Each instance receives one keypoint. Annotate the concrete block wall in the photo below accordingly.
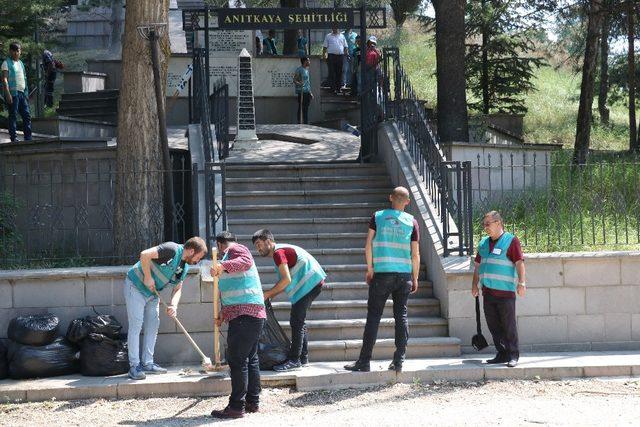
(575, 301)
(75, 292)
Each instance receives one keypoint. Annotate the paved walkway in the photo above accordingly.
(189, 381)
(298, 143)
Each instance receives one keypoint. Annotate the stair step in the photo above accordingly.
(316, 241)
(324, 256)
(318, 210)
(306, 170)
(108, 93)
(307, 183)
(237, 198)
(349, 350)
(76, 111)
(356, 309)
(300, 225)
(335, 273)
(352, 329)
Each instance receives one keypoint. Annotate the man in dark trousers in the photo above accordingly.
(159, 267)
(16, 92)
(243, 307)
(499, 269)
(301, 277)
(334, 49)
(393, 263)
(302, 84)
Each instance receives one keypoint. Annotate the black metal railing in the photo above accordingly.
(448, 183)
(219, 103)
(200, 108)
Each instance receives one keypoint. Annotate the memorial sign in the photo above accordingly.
(284, 18)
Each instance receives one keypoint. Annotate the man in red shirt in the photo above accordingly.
(301, 277)
(499, 269)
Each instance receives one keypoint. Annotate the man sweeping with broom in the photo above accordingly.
(243, 307)
(159, 267)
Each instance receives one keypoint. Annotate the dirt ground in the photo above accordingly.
(597, 402)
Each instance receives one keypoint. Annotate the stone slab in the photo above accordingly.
(6, 294)
(617, 327)
(567, 300)
(586, 328)
(592, 272)
(613, 299)
(59, 293)
(534, 303)
(544, 272)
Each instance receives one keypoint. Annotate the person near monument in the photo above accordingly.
(50, 67)
(301, 277)
(355, 86)
(393, 263)
(162, 266)
(334, 49)
(269, 44)
(258, 43)
(16, 92)
(302, 44)
(302, 84)
(499, 269)
(347, 67)
(243, 308)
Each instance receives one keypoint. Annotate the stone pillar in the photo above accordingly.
(246, 137)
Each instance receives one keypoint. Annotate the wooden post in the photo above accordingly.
(216, 313)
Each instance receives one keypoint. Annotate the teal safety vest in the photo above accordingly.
(162, 273)
(496, 270)
(392, 242)
(243, 287)
(13, 87)
(305, 275)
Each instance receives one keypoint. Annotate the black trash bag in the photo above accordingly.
(103, 324)
(4, 368)
(33, 330)
(57, 358)
(103, 356)
(273, 347)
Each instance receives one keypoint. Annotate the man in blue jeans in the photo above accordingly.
(159, 267)
(301, 277)
(16, 92)
(393, 263)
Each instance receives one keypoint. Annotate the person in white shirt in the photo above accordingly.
(334, 49)
(16, 92)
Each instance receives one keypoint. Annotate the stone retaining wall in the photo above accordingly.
(73, 293)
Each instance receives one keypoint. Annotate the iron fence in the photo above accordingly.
(448, 183)
(61, 212)
(219, 102)
(201, 109)
(553, 205)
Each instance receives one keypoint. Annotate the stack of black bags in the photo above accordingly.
(103, 348)
(35, 350)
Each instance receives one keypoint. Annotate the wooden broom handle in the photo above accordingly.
(216, 329)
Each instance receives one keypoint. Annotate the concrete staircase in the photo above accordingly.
(325, 208)
(99, 106)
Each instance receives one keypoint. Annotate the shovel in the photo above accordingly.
(478, 341)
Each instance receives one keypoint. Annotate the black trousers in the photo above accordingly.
(304, 99)
(383, 285)
(335, 71)
(501, 320)
(297, 319)
(242, 354)
(48, 88)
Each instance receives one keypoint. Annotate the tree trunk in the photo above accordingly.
(450, 71)
(603, 91)
(633, 140)
(138, 216)
(290, 36)
(485, 62)
(583, 125)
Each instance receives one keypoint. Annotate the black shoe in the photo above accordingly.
(500, 358)
(358, 367)
(395, 366)
(512, 363)
(304, 361)
(227, 412)
(288, 365)
(251, 407)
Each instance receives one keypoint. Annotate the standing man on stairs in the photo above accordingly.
(499, 268)
(301, 277)
(393, 263)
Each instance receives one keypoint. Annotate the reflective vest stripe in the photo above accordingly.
(392, 260)
(499, 277)
(405, 246)
(506, 262)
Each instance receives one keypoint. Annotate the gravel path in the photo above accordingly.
(597, 402)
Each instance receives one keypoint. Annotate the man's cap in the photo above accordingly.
(373, 40)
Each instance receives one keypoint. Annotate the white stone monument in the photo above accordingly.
(246, 137)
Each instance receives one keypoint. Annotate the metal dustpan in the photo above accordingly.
(478, 341)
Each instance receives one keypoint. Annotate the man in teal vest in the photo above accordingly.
(16, 92)
(243, 307)
(301, 277)
(393, 263)
(499, 269)
(159, 267)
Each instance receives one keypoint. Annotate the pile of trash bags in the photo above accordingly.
(103, 348)
(35, 350)
(93, 346)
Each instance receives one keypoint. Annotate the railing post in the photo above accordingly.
(469, 207)
(444, 211)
